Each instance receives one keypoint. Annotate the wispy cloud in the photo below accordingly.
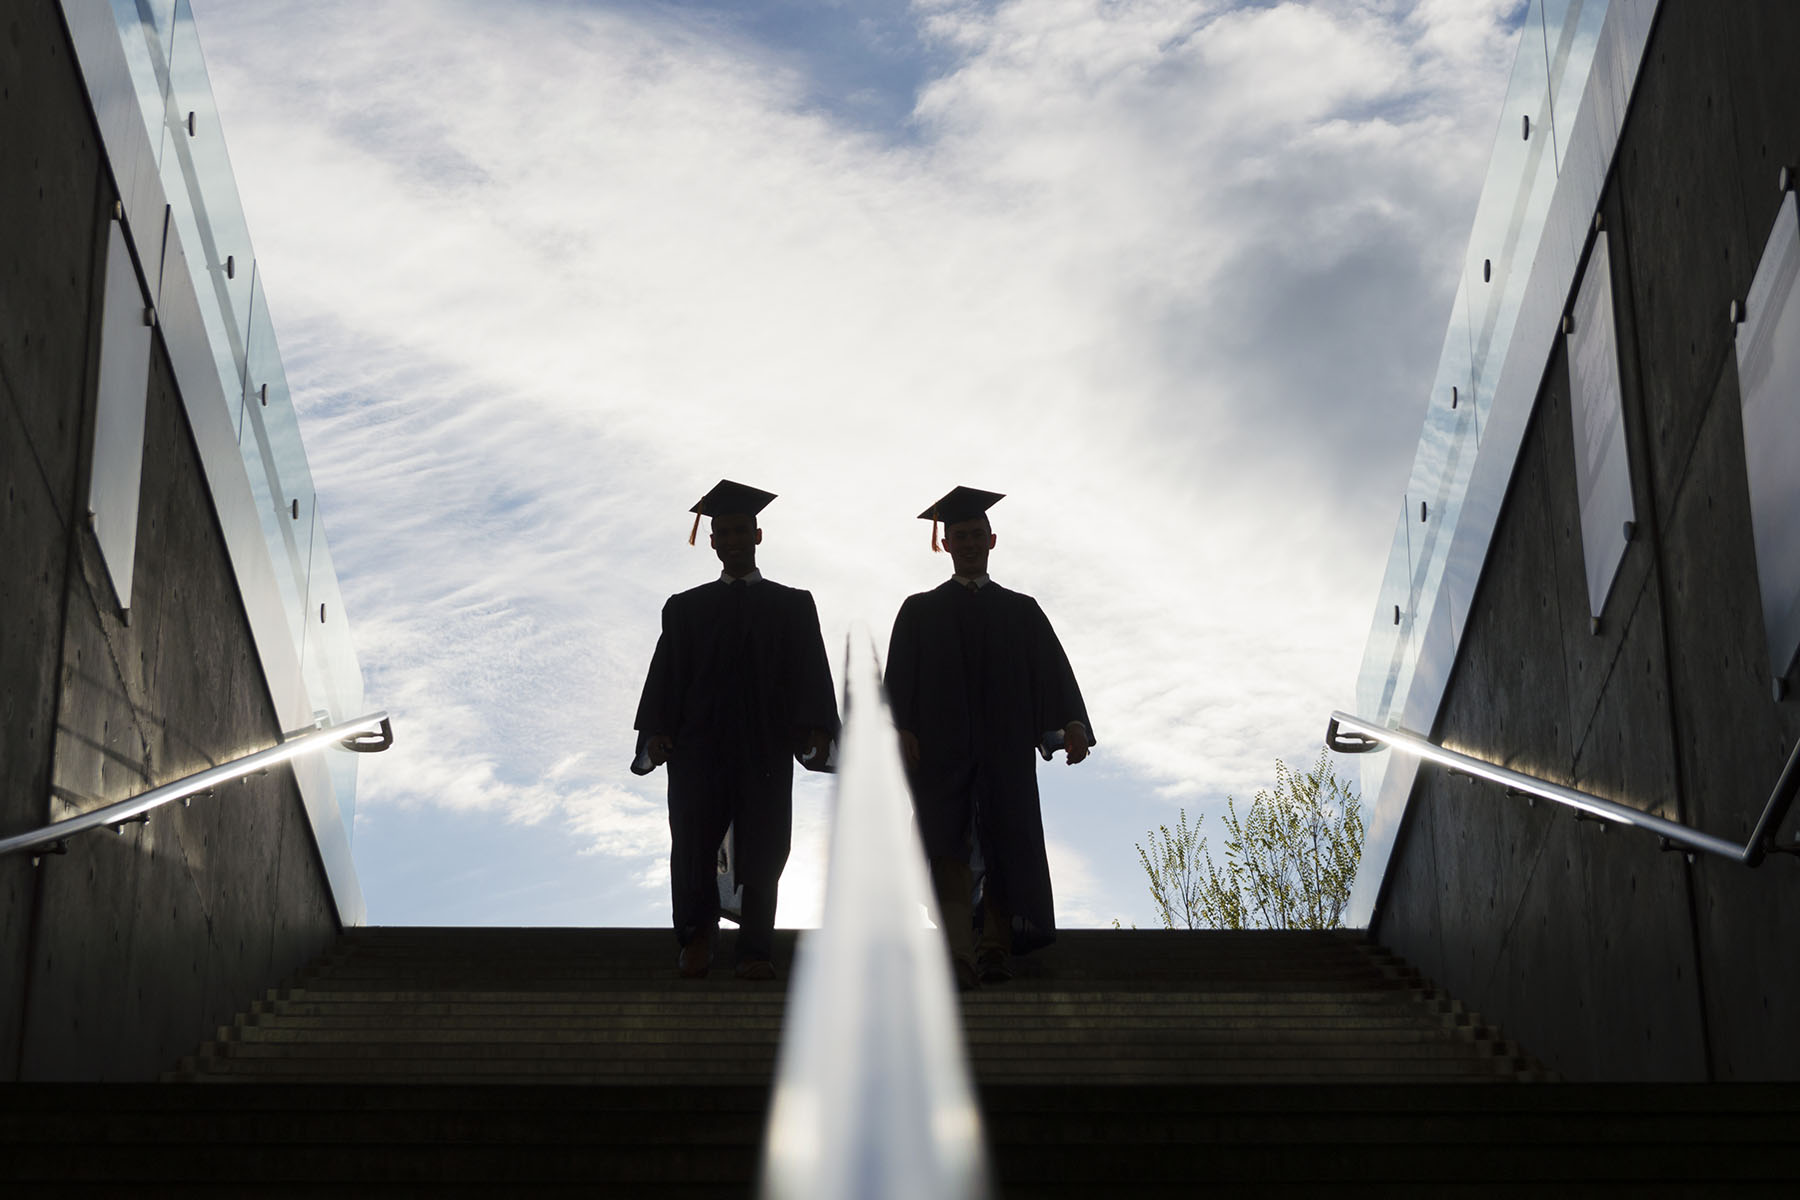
(1172, 275)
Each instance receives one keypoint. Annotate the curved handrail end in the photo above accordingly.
(1349, 743)
(371, 741)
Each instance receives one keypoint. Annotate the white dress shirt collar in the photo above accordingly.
(755, 576)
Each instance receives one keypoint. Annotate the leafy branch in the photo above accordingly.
(1289, 859)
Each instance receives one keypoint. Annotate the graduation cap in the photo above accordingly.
(726, 498)
(959, 504)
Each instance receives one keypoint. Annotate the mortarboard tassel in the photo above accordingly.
(934, 537)
(695, 531)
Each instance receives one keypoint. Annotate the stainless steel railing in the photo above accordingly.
(873, 1097)
(1364, 736)
(365, 734)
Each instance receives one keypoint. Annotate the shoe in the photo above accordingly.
(993, 966)
(967, 980)
(696, 956)
(756, 970)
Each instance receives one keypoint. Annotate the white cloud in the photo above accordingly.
(1079, 897)
(1171, 275)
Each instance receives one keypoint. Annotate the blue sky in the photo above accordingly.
(1171, 275)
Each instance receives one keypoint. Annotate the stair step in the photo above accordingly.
(471, 1062)
(975, 1024)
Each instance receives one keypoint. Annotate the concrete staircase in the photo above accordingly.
(602, 1006)
(494, 1061)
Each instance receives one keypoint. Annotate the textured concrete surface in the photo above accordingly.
(1731, 740)
(49, 208)
(1680, 184)
(1604, 955)
(33, 549)
(1767, 107)
(121, 954)
(49, 197)
(146, 939)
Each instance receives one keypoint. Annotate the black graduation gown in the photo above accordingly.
(979, 677)
(738, 678)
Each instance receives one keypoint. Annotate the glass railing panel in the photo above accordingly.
(196, 174)
(328, 660)
(174, 91)
(1435, 561)
(280, 479)
(1388, 656)
(145, 29)
(157, 17)
(1454, 385)
(264, 378)
(1571, 32)
(1435, 494)
(1509, 218)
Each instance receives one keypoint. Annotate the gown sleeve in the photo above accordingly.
(1057, 697)
(659, 708)
(902, 675)
(814, 701)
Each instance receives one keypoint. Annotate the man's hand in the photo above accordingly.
(659, 747)
(909, 747)
(1075, 741)
(816, 750)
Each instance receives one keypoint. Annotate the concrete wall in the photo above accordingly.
(1607, 957)
(125, 953)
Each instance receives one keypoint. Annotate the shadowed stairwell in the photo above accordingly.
(482, 1061)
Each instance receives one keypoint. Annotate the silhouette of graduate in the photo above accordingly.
(739, 687)
(979, 684)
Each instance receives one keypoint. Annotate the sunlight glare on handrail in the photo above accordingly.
(1593, 807)
(308, 742)
(873, 1098)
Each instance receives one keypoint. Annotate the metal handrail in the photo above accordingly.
(873, 1097)
(367, 735)
(1365, 736)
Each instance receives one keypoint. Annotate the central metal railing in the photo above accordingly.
(873, 1097)
(365, 734)
(1353, 735)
